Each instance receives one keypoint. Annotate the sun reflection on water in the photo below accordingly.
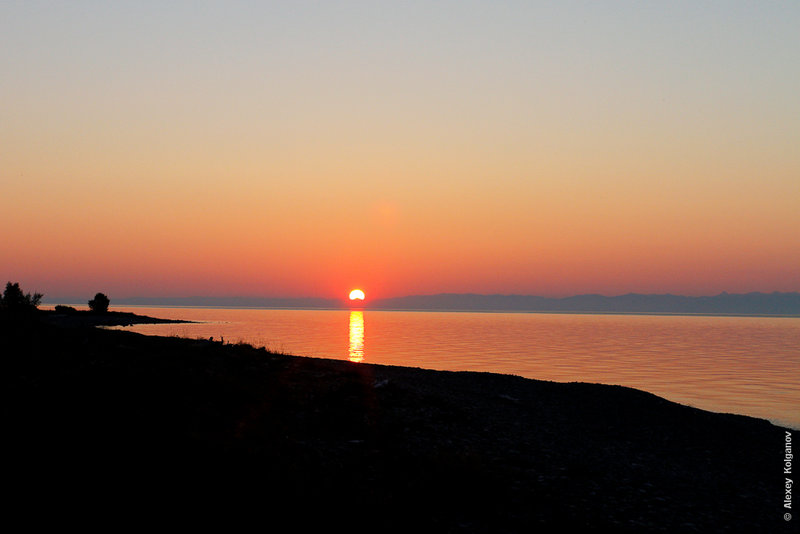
(356, 352)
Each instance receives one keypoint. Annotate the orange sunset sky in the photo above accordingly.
(306, 148)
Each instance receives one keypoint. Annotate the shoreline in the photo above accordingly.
(409, 310)
(720, 380)
(457, 310)
(466, 451)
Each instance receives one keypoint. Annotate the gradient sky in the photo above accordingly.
(306, 148)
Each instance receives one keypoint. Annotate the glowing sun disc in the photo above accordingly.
(356, 294)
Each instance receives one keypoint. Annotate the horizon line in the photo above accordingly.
(75, 299)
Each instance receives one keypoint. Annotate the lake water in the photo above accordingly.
(745, 365)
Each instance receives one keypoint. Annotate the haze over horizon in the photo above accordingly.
(749, 304)
(304, 149)
(58, 298)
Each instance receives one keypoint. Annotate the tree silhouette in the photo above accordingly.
(14, 299)
(99, 304)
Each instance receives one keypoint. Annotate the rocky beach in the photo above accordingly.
(147, 423)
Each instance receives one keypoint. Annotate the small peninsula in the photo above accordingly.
(87, 318)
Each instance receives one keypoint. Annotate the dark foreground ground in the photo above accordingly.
(113, 424)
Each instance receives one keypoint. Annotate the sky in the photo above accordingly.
(301, 149)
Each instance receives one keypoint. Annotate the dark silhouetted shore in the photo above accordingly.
(84, 318)
(99, 418)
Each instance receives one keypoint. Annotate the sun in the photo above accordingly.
(357, 294)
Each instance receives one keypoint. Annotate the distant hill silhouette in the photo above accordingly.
(786, 304)
(724, 303)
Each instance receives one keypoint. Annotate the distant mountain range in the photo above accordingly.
(727, 304)
(722, 304)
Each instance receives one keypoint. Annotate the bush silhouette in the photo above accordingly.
(99, 304)
(14, 299)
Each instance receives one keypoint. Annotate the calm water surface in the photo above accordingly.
(746, 365)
